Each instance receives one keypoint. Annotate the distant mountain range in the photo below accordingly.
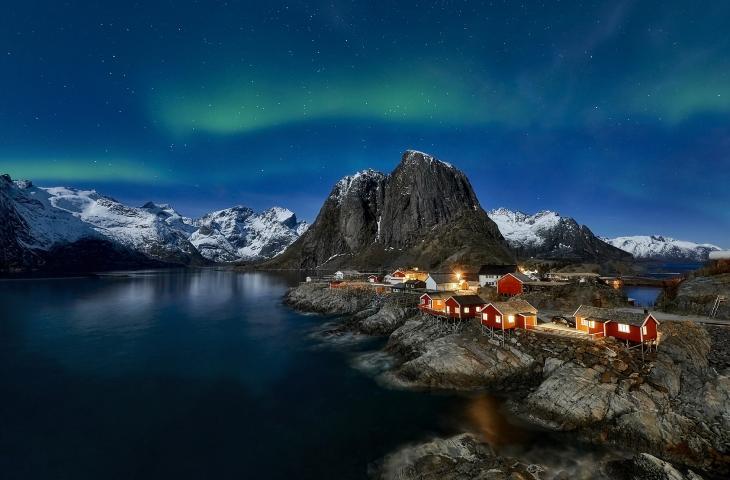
(423, 213)
(656, 247)
(63, 228)
(547, 235)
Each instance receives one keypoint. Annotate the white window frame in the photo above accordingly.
(624, 328)
(485, 316)
(498, 318)
(457, 310)
(644, 330)
(511, 319)
(466, 309)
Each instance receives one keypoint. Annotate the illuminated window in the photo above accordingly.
(644, 330)
(511, 319)
(584, 323)
(485, 316)
(448, 309)
(457, 310)
(623, 328)
(498, 318)
(588, 323)
(466, 309)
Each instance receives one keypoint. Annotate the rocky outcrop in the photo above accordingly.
(647, 467)
(697, 295)
(319, 298)
(423, 213)
(460, 457)
(435, 358)
(364, 311)
(677, 410)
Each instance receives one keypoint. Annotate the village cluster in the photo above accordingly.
(454, 297)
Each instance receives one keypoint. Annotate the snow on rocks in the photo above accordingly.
(659, 247)
(61, 215)
(521, 229)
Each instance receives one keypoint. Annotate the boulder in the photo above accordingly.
(462, 457)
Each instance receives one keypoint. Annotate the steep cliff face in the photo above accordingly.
(423, 213)
(14, 233)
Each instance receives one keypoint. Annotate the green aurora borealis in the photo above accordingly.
(616, 113)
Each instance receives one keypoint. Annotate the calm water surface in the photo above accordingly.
(643, 295)
(205, 374)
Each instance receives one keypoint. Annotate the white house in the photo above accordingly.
(343, 274)
(442, 282)
(489, 274)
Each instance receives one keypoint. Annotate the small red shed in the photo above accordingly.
(433, 302)
(464, 306)
(515, 313)
(512, 284)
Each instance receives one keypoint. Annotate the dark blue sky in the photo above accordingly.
(616, 113)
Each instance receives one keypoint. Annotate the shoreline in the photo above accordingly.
(565, 386)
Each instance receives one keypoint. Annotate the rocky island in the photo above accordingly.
(670, 407)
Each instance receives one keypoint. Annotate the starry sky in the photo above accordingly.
(616, 113)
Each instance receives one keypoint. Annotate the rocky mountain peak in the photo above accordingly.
(410, 215)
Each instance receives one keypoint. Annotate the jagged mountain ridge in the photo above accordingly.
(239, 233)
(657, 247)
(424, 213)
(548, 235)
(38, 223)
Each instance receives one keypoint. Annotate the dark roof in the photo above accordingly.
(521, 277)
(515, 306)
(468, 299)
(437, 295)
(611, 315)
(497, 269)
(443, 277)
(409, 285)
(540, 283)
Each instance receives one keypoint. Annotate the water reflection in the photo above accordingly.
(488, 419)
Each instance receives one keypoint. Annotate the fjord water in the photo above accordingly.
(201, 374)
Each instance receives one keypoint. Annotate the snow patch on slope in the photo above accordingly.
(352, 184)
(523, 230)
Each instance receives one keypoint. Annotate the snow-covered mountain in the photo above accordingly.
(548, 235)
(657, 247)
(239, 233)
(39, 220)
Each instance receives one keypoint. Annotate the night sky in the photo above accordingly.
(616, 113)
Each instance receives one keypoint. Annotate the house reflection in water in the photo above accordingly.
(486, 417)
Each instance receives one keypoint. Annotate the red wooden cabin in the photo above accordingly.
(512, 284)
(509, 315)
(631, 327)
(464, 306)
(433, 303)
